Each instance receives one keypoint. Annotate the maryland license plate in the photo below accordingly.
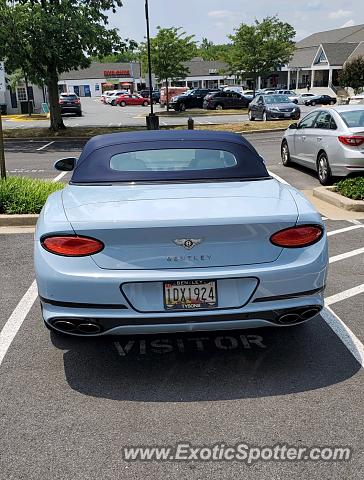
(190, 294)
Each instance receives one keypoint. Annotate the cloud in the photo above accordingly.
(349, 23)
(220, 14)
(340, 14)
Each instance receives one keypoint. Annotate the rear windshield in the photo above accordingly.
(166, 161)
(172, 159)
(69, 97)
(277, 99)
(353, 118)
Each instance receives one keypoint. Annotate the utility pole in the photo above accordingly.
(2, 153)
(152, 118)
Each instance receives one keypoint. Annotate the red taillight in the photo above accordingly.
(77, 101)
(72, 245)
(61, 101)
(300, 236)
(351, 140)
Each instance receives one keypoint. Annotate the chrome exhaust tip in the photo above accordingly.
(88, 328)
(65, 325)
(307, 314)
(289, 318)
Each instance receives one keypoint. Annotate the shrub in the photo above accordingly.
(25, 195)
(351, 187)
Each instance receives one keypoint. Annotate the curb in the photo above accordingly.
(50, 139)
(26, 220)
(328, 195)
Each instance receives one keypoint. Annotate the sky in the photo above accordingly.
(215, 19)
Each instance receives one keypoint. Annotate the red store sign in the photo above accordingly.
(116, 73)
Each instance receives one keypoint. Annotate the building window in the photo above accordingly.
(22, 94)
(321, 58)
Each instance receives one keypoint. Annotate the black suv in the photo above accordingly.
(156, 95)
(191, 99)
(228, 99)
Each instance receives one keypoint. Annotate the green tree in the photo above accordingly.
(129, 52)
(352, 75)
(48, 37)
(211, 51)
(170, 48)
(259, 49)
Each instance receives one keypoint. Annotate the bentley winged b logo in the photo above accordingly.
(187, 243)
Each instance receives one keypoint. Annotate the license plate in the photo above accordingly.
(190, 294)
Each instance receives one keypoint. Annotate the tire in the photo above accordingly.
(219, 106)
(145, 104)
(332, 102)
(323, 169)
(251, 116)
(182, 107)
(113, 103)
(122, 104)
(285, 155)
(313, 104)
(79, 114)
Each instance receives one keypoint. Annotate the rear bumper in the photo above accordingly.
(71, 109)
(77, 289)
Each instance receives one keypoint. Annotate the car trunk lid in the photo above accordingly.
(182, 225)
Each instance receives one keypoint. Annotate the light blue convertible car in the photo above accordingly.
(176, 231)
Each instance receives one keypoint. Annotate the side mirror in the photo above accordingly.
(293, 126)
(65, 164)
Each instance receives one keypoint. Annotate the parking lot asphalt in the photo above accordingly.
(69, 406)
(95, 113)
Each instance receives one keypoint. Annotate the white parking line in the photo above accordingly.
(343, 256)
(356, 222)
(16, 319)
(342, 230)
(338, 297)
(351, 342)
(58, 177)
(44, 146)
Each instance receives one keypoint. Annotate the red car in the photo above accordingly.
(123, 100)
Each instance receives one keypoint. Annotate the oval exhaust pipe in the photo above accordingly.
(311, 312)
(88, 328)
(65, 325)
(289, 318)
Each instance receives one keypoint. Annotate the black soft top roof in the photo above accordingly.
(93, 165)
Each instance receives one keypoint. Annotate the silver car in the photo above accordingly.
(328, 140)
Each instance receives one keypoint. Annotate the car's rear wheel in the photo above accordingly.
(332, 102)
(251, 116)
(285, 155)
(182, 107)
(218, 106)
(79, 114)
(113, 103)
(122, 104)
(313, 103)
(323, 169)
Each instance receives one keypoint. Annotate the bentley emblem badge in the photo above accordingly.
(187, 243)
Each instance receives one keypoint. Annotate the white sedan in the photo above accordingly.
(328, 140)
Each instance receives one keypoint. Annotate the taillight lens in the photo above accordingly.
(351, 140)
(61, 101)
(72, 245)
(300, 236)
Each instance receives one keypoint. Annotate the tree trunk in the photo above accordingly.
(54, 108)
(167, 95)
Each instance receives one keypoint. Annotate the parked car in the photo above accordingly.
(193, 99)
(70, 103)
(290, 94)
(222, 100)
(172, 92)
(330, 141)
(155, 95)
(357, 99)
(303, 97)
(111, 99)
(129, 99)
(224, 251)
(106, 94)
(320, 100)
(270, 107)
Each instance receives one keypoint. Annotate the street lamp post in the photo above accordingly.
(152, 118)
